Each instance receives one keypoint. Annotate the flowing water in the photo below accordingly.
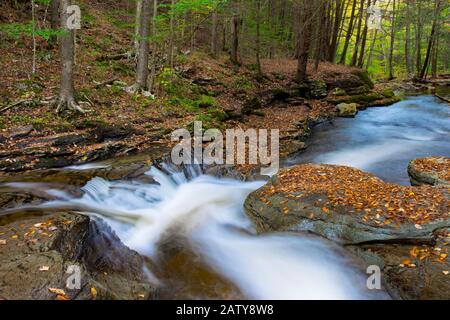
(201, 244)
(384, 140)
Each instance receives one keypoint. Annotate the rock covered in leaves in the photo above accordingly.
(36, 252)
(430, 171)
(347, 205)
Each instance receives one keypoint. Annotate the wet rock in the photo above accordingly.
(433, 171)
(111, 132)
(70, 140)
(347, 110)
(410, 272)
(317, 89)
(38, 251)
(348, 206)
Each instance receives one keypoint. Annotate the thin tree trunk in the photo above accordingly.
(54, 20)
(335, 34)
(431, 40)
(143, 52)
(235, 26)
(391, 48)
(137, 25)
(33, 13)
(408, 40)
(172, 33)
(349, 34)
(364, 39)
(152, 77)
(358, 35)
(419, 37)
(214, 34)
(258, 37)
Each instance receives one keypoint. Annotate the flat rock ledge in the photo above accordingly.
(403, 230)
(433, 171)
(39, 255)
(348, 206)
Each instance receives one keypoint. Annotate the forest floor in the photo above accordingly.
(199, 88)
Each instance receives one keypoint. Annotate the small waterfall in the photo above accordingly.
(207, 211)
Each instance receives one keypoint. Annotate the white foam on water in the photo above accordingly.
(208, 211)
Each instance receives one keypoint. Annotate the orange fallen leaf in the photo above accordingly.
(62, 297)
(94, 292)
(57, 291)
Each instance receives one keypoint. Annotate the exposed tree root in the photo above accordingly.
(69, 105)
(137, 89)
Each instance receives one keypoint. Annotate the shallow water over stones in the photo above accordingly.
(383, 140)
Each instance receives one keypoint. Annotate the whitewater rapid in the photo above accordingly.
(208, 212)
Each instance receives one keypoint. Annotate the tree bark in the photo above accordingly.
(235, 26)
(66, 100)
(143, 52)
(391, 48)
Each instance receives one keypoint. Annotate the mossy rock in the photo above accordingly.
(388, 93)
(364, 76)
(365, 99)
(339, 92)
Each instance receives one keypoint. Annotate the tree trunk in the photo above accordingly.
(214, 34)
(54, 20)
(358, 35)
(349, 34)
(419, 37)
(258, 37)
(143, 52)
(407, 40)
(364, 39)
(431, 40)
(337, 23)
(304, 40)
(172, 33)
(235, 26)
(137, 25)
(66, 100)
(391, 48)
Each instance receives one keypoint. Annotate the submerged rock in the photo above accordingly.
(41, 255)
(430, 171)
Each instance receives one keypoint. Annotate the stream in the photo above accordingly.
(201, 244)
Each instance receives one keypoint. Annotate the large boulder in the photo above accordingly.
(348, 206)
(430, 171)
(39, 254)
